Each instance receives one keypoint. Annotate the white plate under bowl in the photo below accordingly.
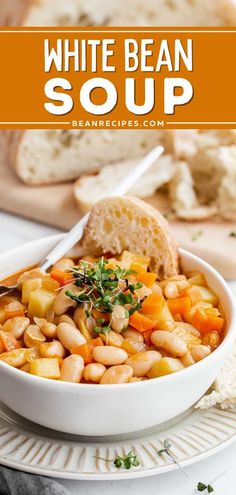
(194, 436)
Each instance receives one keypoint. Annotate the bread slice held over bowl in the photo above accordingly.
(126, 223)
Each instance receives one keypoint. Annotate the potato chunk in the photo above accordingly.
(45, 367)
(28, 286)
(40, 302)
(128, 259)
(165, 366)
(208, 295)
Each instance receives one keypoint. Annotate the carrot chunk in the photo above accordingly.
(84, 351)
(147, 337)
(96, 342)
(138, 268)
(180, 305)
(146, 278)
(153, 304)
(205, 321)
(97, 314)
(141, 322)
(62, 277)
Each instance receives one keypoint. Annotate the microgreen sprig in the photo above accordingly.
(130, 460)
(196, 235)
(202, 487)
(102, 288)
(166, 450)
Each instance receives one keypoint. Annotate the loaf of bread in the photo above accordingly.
(43, 156)
(126, 223)
(47, 156)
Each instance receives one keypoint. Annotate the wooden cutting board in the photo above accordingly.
(55, 205)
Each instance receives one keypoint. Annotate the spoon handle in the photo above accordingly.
(75, 234)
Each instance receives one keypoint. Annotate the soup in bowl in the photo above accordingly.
(101, 347)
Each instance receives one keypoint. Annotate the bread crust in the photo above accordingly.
(166, 257)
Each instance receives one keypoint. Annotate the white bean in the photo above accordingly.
(113, 338)
(52, 349)
(67, 319)
(142, 362)
(16, 326)
(64, 264)
(72, 369)
(69, 336)
(156, 289)
(48, 328)
(133, 334)
(187, 359)
(171, 290)
(199, 352)
(119, 318)
(93, 372)
(117, 374)
(33, 336)
(79, 314)
(63, 302)
(109, 355)
(15, 358)
(170, 343)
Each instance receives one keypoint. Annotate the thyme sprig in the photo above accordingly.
(102, 288)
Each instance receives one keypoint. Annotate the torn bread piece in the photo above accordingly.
(223, 391)
(91, 188)
(215, 138)
(183, 196)
(125, 223)
(226, 200)
(115, 13)
(208, 167)
(181, 143)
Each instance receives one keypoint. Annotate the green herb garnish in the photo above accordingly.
(130, 460)
(166, 450)
(102, 288)
(232, 234)
(196, 235)
(202, 487)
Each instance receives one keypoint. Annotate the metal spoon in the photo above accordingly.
(75, 234)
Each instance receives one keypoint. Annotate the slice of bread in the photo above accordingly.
(91, 188)
(126, 223)
(49, 156)
(116, 13)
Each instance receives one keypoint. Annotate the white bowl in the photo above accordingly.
(112, 409)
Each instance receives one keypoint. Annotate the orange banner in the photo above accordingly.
(117, 78)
